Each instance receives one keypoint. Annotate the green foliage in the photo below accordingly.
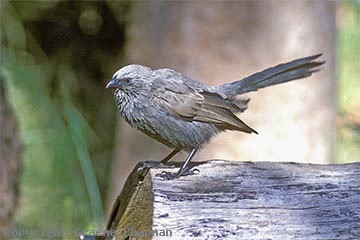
(348, 142)
(349, 55)
(52, 184)
(52, 61)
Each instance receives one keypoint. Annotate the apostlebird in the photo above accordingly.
(185, 114)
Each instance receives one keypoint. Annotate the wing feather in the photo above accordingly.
(202, 106)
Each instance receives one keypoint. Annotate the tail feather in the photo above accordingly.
(281, 73)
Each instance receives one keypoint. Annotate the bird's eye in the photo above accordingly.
(126, 80)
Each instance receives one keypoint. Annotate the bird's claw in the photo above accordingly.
(166, 175)
(170, 176)
(192, 171)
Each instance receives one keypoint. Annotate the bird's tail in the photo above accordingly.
(281, 73)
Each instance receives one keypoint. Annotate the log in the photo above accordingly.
(240, 200)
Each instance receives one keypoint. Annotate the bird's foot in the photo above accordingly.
(170, 176)
(144, 167)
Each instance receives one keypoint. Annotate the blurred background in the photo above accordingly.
(65, 152)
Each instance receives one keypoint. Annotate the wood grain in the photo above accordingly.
(245, 200)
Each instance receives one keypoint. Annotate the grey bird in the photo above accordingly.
(185, 114)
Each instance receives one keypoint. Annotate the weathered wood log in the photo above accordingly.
(241, 200)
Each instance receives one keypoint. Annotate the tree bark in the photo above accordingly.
(217, 42)
(241, 200)
(10, 155)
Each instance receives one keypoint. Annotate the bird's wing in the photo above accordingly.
(202, 106)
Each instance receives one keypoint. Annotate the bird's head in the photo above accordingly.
(131, 78)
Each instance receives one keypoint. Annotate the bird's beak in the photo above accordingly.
(112, 84)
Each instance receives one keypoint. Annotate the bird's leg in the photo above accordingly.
(183, 169)
(168, 157)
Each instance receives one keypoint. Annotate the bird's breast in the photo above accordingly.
(125, 104)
